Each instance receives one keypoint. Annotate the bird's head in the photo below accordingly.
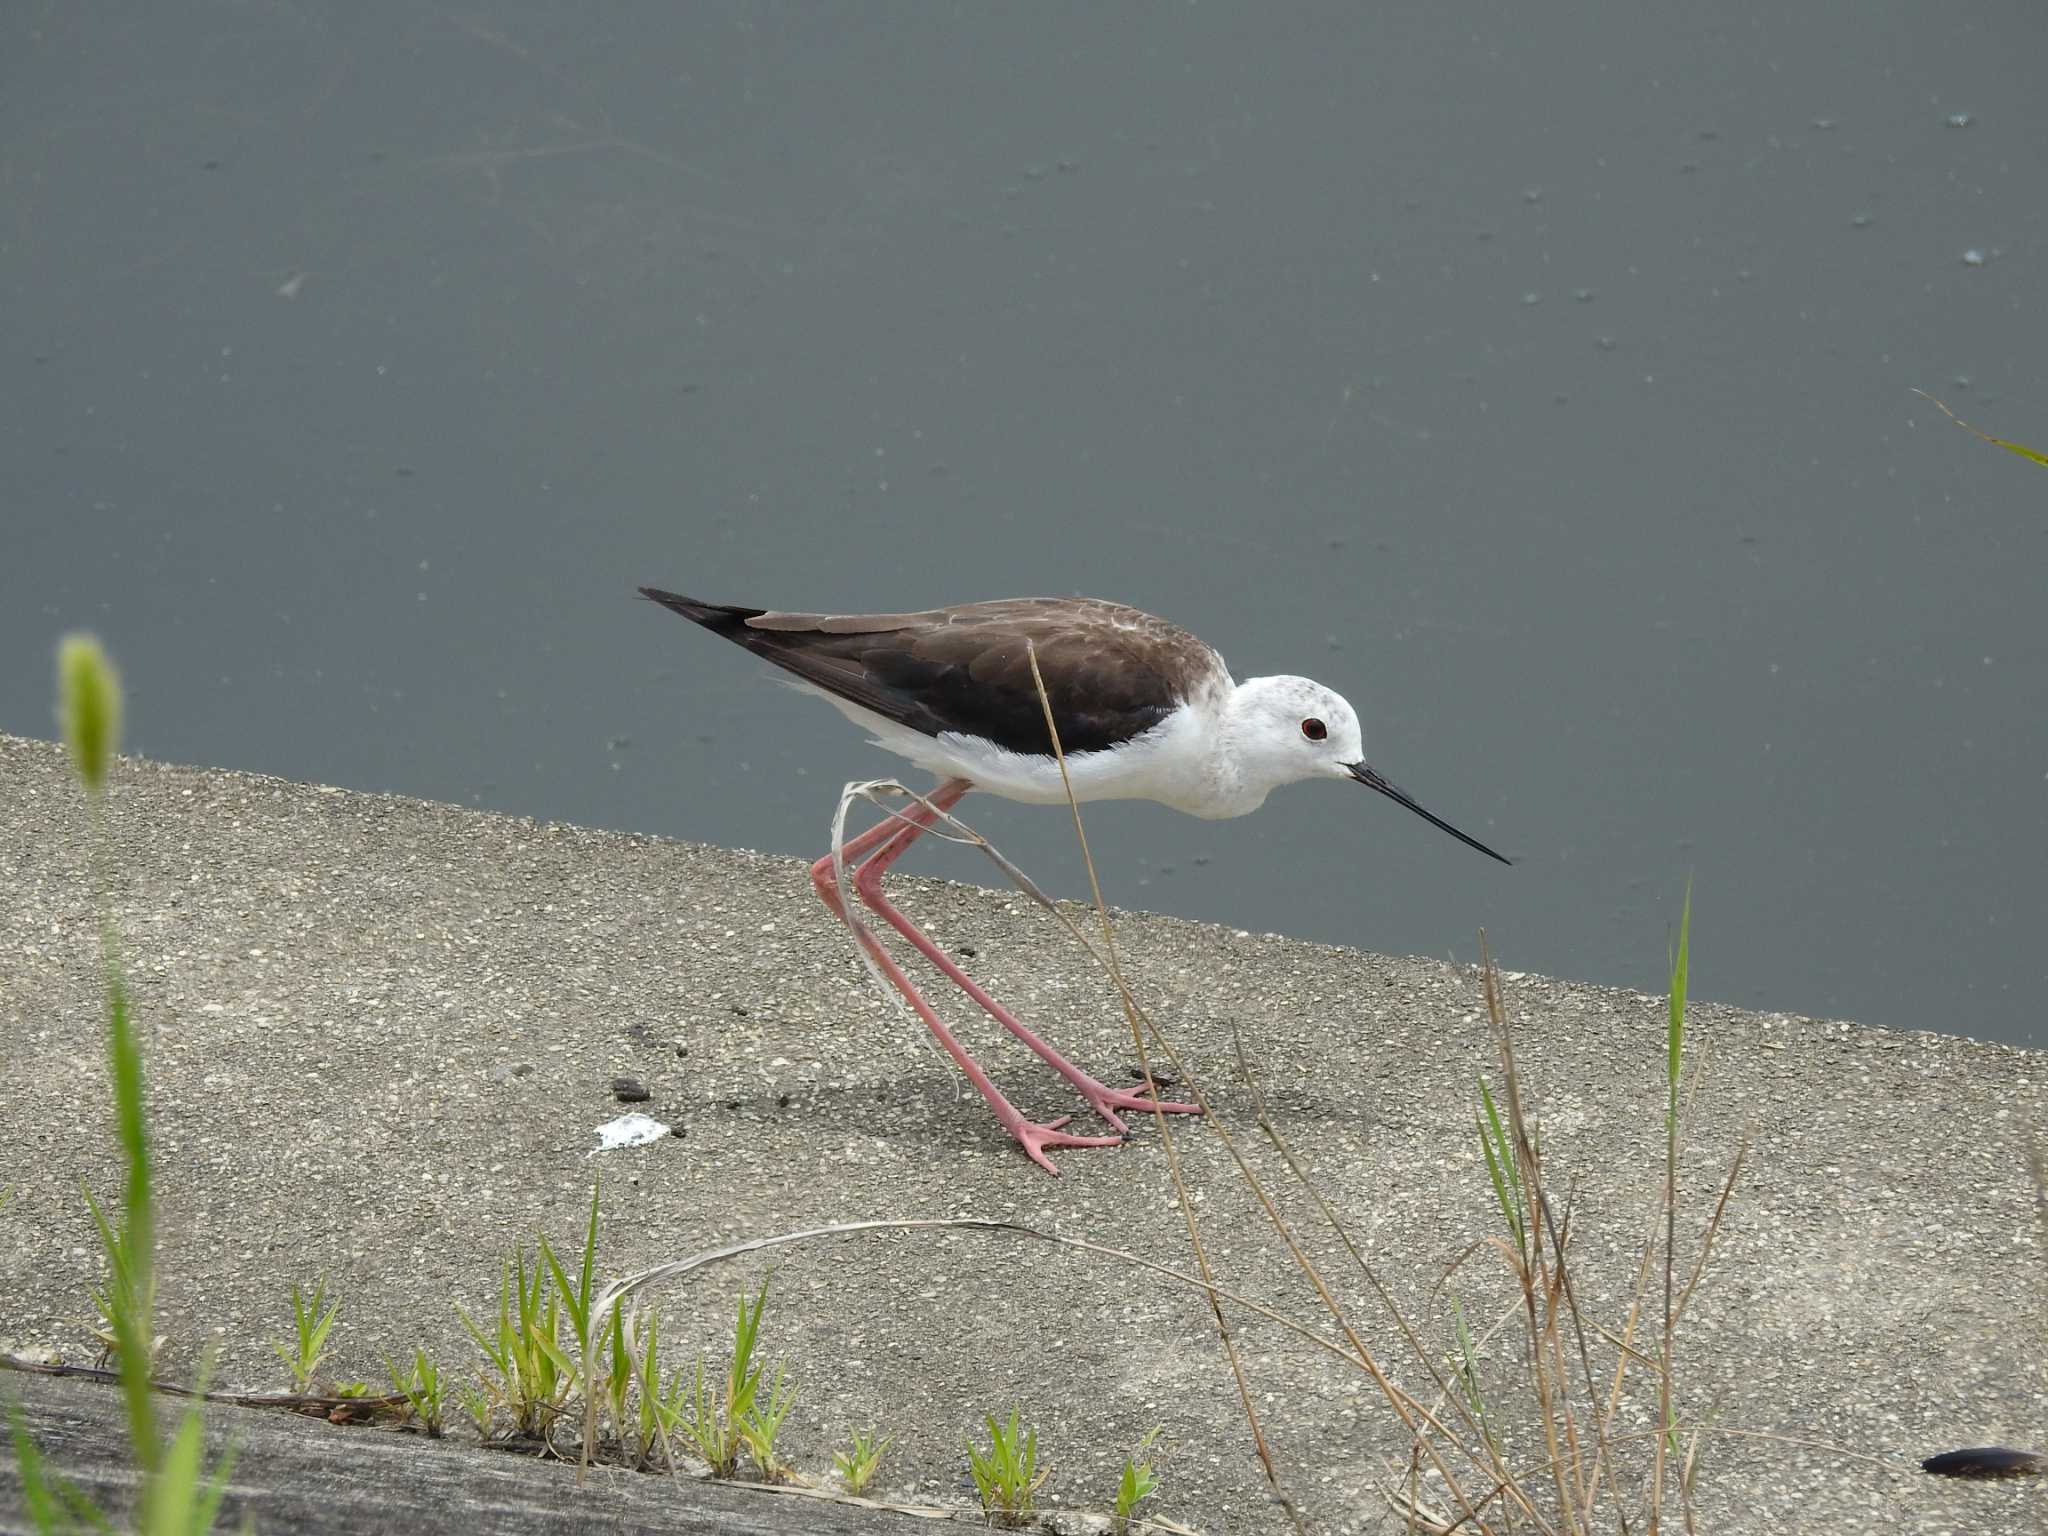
(1286, 729)
(1289, 729)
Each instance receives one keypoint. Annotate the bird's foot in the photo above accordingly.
(1106, 1101)
(1035, 1138)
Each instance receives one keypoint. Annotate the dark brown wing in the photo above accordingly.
(1111, 672)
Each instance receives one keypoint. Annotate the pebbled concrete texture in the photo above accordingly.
(380, 1034)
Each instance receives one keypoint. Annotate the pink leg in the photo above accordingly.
(897, 834)
(867, 882)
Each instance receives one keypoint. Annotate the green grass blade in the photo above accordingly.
(185, 1498)
(216, 1489)
(115, 1249)
(490, 1352)
(527, 1296)
(500, 1353)
(549, 1349)
(590, 1247)
(316, 1336)
(1997, 442)
(171, 1500)
(1501, 1166)
(1468, 1372)
(1675, 1034)
(743, 1377)
(648, 1370)
(577, 1306)
(135, 1244)
(620, 1373)
(748, 1329)
(37, 1495)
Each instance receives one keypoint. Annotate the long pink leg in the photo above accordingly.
(893, 835)
(867, 882)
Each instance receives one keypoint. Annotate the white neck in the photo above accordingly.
(1233, 777)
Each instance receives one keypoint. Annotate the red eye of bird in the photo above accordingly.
(1314, 729)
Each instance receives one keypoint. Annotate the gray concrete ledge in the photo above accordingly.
(313, 1478)
(379, 1033)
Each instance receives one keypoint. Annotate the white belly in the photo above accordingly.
(1166, 764)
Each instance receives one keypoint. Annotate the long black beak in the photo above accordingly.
(1371, 780)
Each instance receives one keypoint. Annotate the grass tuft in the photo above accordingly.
(575, 1303)
(861, 1460)
(1007, 1474)
(530, 1375)
(425, 1391)
(311, 1325)
(1137, 1483)
(560, 1335)
(478, 1405)
(740, 1419)
(660, 1405)
(1587, 1473)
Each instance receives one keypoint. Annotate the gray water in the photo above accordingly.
(1539, 377)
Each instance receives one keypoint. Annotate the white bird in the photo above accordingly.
(1145, 711)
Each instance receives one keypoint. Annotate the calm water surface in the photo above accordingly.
(1541, 380)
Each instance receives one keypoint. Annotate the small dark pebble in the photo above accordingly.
(1163, 1079)
(732, 1103)
(966, 951)
(782, 1101)
(1985, 1461)
(681, 1050)
(739, 1011)
(630, 1090)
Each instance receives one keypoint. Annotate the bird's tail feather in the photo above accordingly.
(722, 617)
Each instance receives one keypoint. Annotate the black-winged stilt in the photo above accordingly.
(1145, 712)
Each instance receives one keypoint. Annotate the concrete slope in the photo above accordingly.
(380, 1034)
